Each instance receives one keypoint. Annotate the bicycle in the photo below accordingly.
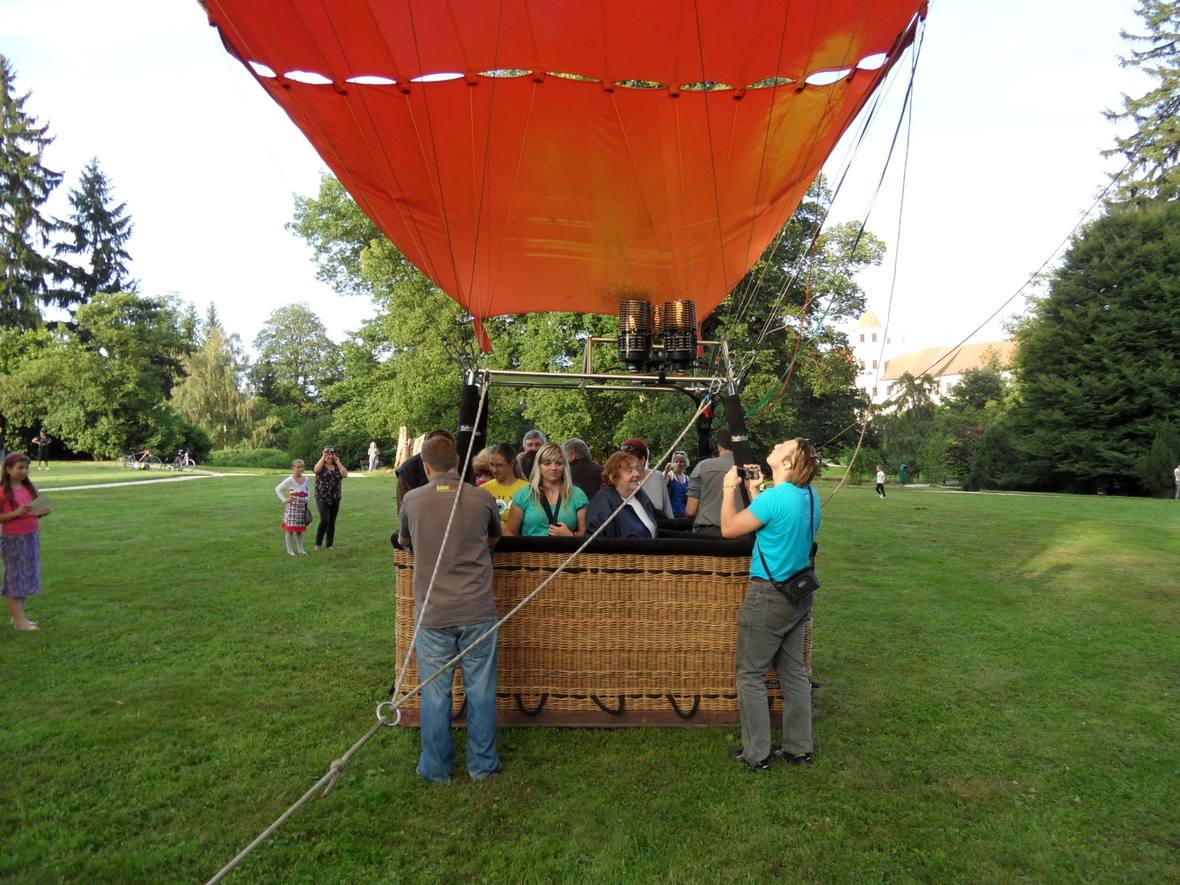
(144, 460)
(183, 462)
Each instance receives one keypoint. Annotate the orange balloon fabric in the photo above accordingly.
(580, 153)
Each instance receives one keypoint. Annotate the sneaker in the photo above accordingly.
(484, 775)
(735, 753)
(791, 758)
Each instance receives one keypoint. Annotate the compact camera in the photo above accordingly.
(753, 472)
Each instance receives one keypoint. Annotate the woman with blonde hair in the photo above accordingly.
(551, 504)
(480, 466)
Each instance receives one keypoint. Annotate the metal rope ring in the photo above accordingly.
(622, 708)
(536, 711)
(696, 704)
(385, 706)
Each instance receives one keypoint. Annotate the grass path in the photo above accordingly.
(1000, 702)
(135, 482)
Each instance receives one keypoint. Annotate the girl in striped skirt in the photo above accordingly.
(20, 541)
(295, 493)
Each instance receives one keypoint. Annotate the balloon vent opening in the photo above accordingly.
(636, 324)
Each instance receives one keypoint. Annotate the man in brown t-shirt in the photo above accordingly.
(460, 610)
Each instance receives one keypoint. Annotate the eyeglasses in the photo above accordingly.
(633, 450)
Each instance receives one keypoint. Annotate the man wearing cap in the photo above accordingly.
(460, 612)
(585, 474)
(704, 487)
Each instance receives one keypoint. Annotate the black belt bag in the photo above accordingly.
(805, 581)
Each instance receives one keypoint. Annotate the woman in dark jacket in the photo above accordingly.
(621, 476)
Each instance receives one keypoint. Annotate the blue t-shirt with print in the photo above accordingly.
(785, 536)
(536, 520)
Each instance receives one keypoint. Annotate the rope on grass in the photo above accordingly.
(329, 778)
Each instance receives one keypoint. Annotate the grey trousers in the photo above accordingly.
(770, 633)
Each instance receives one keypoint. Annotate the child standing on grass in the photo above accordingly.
(20, 538)
(880, 481)
(295, 493)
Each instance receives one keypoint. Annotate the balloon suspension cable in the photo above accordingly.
(803, 337)
(948, 354)
(905, 168)
(329, 778)
(745, 301)
(753, 282)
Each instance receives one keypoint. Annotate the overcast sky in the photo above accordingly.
(1005, 156)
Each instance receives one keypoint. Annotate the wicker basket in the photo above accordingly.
(616, 639)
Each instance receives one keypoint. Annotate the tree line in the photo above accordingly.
(102, 368)
(1092, 403)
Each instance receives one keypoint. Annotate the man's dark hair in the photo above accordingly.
(446, 434)
(440, 454)
(725, 437)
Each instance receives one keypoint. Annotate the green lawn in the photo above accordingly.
(1000, 702)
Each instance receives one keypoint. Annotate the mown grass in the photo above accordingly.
(999, 702)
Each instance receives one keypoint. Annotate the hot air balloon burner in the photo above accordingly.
(678, 325)
(635, 334)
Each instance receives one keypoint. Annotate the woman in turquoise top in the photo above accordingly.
(785, 519)
(551, 505)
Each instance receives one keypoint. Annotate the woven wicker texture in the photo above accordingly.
(610, 625)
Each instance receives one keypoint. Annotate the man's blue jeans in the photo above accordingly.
(436, 646)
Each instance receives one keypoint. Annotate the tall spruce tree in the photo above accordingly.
(1153, 149)
(25, 185)
(94, 237)
(1098, 363)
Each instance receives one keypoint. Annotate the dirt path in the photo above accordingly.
(141, 482)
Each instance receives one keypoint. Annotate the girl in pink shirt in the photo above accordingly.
(20, 538)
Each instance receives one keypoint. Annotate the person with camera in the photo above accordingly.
(329, 474)
(771, 625)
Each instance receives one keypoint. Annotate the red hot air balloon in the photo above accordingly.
(537, 155)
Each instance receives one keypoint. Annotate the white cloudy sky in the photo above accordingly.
(1007, 131)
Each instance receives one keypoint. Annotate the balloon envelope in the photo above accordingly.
(535, 155)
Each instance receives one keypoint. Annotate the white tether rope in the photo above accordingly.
(328, 780)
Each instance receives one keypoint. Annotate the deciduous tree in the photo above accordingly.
(211, 394)
(103, 386)
(402, 366)
(296, 359)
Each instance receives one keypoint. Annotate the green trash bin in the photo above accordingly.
(904, 473)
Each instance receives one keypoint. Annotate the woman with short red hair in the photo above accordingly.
(621, 477)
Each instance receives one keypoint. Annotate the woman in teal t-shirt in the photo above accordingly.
(551, 505)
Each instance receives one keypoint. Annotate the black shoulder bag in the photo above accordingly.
(805, 582)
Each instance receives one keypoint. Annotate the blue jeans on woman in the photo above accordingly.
(436, 646)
